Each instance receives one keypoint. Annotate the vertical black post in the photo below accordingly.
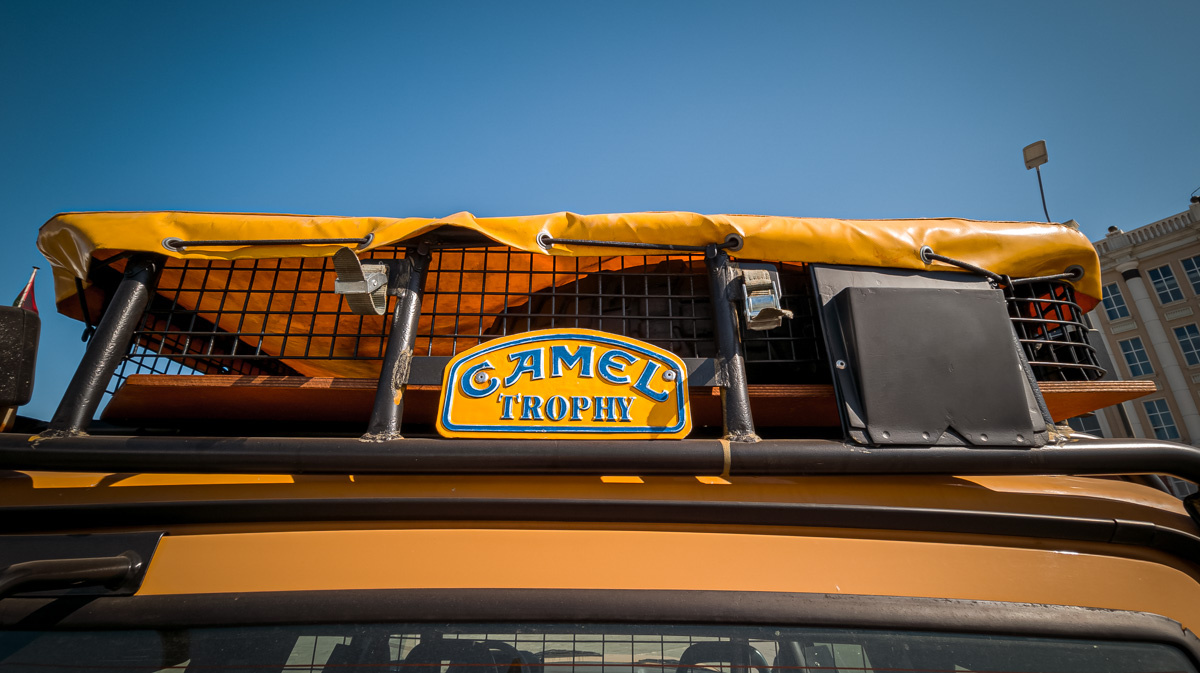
(1043, 193)
(406, 281)
(105, 350)
(731, 369)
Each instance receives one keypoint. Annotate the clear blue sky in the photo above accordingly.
(838, 109)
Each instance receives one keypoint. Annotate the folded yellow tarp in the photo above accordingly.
(1017, 249)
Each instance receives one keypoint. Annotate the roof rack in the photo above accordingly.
(156, 309)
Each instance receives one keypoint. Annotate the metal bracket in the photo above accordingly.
(364, 285)
(760, 296)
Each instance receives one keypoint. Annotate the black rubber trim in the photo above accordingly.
(1130, 274)
(166, 513)
(689, 457)
(64, 574)
(598, 606)
(60, 554)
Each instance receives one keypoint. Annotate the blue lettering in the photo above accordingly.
(467, 382)
(604, 409)
(578, 406)
(531, 409)
(608, 362)
(530, 361)
(561, 357)
(624, 403)
(507, 402)
(556, 408)
(643, 384)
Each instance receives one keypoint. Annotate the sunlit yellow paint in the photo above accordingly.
(630, 559)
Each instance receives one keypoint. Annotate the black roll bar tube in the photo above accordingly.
(407, 282)
(688, 457)
(109, 344)
(731, 368)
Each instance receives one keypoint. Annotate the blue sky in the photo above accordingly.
(848, 109)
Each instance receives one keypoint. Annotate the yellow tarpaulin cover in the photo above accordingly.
(1017, 249)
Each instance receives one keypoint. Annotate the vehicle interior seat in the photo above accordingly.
(464, 656)
(508, 658)
(739, 654)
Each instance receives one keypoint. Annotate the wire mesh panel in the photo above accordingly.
(475, 295)
(794, 352)
(1049, 324)
(265, 316)
(282, 317)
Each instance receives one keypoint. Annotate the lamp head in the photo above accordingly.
(1035, 154)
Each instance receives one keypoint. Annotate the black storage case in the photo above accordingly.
(19, 330)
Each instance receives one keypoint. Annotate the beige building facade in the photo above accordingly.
(1149, 326)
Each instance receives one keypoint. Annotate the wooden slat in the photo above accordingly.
(1067, 399)
(297, 398)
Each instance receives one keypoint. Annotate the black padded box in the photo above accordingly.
(19, 330)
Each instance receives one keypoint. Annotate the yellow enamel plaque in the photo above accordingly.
(565, 383)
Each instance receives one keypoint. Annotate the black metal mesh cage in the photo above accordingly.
(1049, 324)
(281, 316)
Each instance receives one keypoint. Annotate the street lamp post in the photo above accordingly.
(1035, 156)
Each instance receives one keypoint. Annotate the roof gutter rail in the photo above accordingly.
(690, 457)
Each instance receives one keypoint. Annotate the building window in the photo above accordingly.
(1191, 266)
(1135, 357)
(1114, 302)
(1189, 343)
(1089, 424)
(1160, 419)
(1163, 279)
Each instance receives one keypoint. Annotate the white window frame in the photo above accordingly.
(1191, 269)
(1114, 303)
(1089, 424)
(1161, 420)
(1165, 284)
(1137, 363)
(1189, 343)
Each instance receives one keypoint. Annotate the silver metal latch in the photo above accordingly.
(364, 285)
(760, 294)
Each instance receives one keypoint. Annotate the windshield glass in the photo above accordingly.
(568, 648)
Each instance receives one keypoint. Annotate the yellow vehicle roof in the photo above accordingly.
(1017, 249)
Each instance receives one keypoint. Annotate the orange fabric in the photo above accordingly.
(1017, 249)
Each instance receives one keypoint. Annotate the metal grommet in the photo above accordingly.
(480, 377)
(173, 244)
(840, 364)
(669, 375)
(366, 242)
(926, 254)
(1076, 272)
(543, 241)
(733, 242)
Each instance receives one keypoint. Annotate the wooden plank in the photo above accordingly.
(1067, 399)
(298, 398)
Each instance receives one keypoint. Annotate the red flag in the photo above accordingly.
(26, 299)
